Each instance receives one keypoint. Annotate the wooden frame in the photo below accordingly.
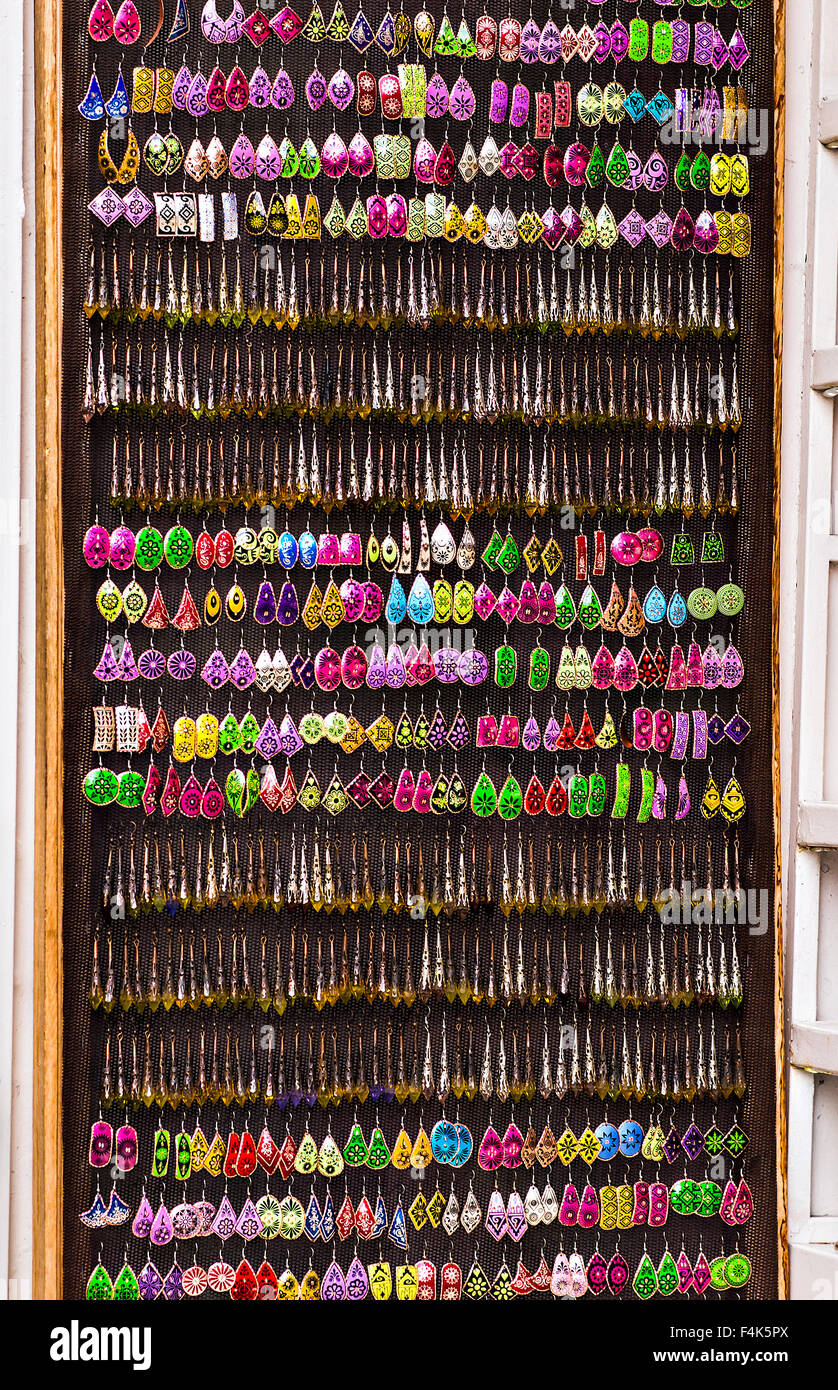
(48, 1001)
(49, 839)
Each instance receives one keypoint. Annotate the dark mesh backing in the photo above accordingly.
(87, 465)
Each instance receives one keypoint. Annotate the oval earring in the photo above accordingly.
(126, 24)
(107, 168)
(130, 160)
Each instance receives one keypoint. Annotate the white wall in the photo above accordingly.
(17, 633)
(809, 645)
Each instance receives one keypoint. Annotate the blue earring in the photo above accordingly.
(180, 23)
(93, 106)
(118, 106)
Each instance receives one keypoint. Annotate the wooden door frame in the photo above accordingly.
(47, 1245)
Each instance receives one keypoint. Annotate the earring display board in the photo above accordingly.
(417, 405)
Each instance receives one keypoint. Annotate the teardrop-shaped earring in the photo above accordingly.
(118, 106)
(632, 621)
(613, 610)
(510, 799)
(126, 23)
(732, 804)
(130, 160)
(92, 107)
(711, 800)
(235, 603)
(100, 21)
(484, 797)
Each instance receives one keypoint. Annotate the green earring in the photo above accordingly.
(99, 1286)
(590, 608)
(683, 551)
(647, 794)
(607, 736)
(667, 1275)
(645, 1281)
(730, 599)
(702, 603)
(511, 800)
(125, 1289)
(509, 556)
(355, 1152)
(183, 1156)
(566, 674)
(439, 795)
(712, 548)
(661, 51)
(160, 1161)
(404, 732)
(249, 730)
(582, 667)
(506, 666)
(421, 729)
(621, 796)
(565, 608)
(539, 668)
(577, 795)
(484, 798)
(596, 794)
(378, 1155)
(493, 550)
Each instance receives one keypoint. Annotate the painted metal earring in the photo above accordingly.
(99, 1286)
(101, 1144)
(127, 171)
(96, 1215)
(100, 21)
(92, 107)
(126, 1148)
(118, 106)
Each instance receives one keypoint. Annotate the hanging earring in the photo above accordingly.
(92, 107)
(126, 24)
(117, 107)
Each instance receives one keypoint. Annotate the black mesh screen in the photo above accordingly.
(241, 935)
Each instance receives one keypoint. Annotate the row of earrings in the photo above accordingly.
(678, 970)
(516, 1061)
(448, 1143)
(460, 879)
(338, 291)
(530, 43)
(536, 476)
(513, 1215)
(445, 384)
(570, 1277)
